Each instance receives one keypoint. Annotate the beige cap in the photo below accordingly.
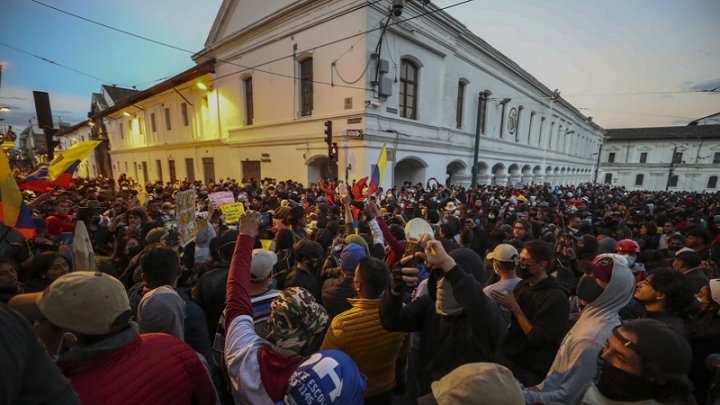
(262, 265)
(86, 302)
(503, 252)
(478, 384)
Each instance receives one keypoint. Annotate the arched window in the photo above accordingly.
(306, 87)
(408, 89)
(460, 102)
(712, 182)
(639, 179)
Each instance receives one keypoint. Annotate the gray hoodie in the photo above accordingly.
(575, 364)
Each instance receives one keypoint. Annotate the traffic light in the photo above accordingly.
(333, 152)
(328, 133)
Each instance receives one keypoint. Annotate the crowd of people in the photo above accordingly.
(330, 294)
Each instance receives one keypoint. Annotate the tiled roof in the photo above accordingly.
(118, 93)
(663, 133)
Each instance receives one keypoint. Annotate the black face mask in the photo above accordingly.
(619, 385)
(523, 272)
(588, 289)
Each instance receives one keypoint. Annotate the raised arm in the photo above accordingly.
(238, 283)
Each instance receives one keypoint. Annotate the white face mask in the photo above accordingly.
(61, 343)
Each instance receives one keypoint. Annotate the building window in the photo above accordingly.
(171, 168)
(542, 124)
(184, 112)
(153, 125)
(608, 178)
(122, 134)
(408, 89)
(716, 158)
(611, 157)
(643, 157)
(677, 158)
(158, 164)
(306, 87)
(167, 119)
(532, 115)
(248, 89)
(673, 181)
(712, 182)
(460, 102)
(190, 169)
(639, 179)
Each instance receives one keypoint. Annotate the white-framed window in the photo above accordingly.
(408, 89)
(306, 87)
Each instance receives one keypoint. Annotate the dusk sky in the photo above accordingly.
(605, 56)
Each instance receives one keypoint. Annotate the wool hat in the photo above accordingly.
(295, 318)
(476, 383)
(86, 302)
(262, 264)
(586, 247)
(503, 252)
(358, 240)
(155, 235)
(326, 377)
(351, 256)
(664, 352)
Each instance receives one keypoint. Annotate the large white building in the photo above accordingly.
(666, 158)
(420, 83)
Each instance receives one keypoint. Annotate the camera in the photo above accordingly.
(397, 7)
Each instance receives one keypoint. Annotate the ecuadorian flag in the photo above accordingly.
(378, 171)
(13, 211)
(66, 162)
(36, 181)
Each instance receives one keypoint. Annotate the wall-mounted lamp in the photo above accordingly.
(4, 109)
(505, 100)
(127, 114)
(203, 86)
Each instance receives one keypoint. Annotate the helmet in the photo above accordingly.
(627, 245)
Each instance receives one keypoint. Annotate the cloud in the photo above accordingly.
(13, 98)
(706, 85)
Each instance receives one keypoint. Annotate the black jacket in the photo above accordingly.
(209, 293)
(305, 279)
(546, 306)
(447, 342)
(335, 294)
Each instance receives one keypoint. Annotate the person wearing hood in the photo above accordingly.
(459, 324)
(606, 289)
(540, 316)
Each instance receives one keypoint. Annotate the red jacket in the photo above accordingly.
(57, 224)
(153, 368)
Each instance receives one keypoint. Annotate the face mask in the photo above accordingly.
(588, 289)
(491, 216)
(619, 385)
(523, 272)
(56, 356)
(630, 260)
(445, 303)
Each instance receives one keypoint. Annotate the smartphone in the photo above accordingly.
(265, 219)
(67, 238)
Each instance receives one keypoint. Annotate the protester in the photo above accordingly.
(46, 268)
(540, 313)
(687, 263)
(337, 291)
(666, 297)
(84, 319)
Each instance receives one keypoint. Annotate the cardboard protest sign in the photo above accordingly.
(221, 197)
(185, 210)
(232, 212)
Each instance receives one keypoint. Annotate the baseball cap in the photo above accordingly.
(86, 302)
(503, 252)
(155, 235)
(262, 264)
(683, 250)
(327, 377)
(351, 256)
(476, 383)
(602, 266)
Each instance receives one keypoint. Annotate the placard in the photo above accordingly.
(185, 210)
(221, 197)
(232, 212)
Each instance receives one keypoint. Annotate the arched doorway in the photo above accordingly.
(410, 169)
(318, 168)
(500, 178)
(457, 173)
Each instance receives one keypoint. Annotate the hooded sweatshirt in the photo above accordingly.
(575, 364)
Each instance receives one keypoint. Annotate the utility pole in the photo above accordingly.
(480, 123)
(672, 168)
(597, 165)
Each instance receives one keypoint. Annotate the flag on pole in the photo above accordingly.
(378, 171)
(65, 160)
(36, 181)
(13, 211)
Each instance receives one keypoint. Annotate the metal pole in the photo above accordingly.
(672, 168)
(597, 166)
(478, 129)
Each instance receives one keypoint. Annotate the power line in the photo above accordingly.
(633, 113)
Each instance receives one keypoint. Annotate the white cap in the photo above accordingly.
(262, 264)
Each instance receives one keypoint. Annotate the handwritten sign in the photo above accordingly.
(232, 212)
(221, 197)
(185, 209)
